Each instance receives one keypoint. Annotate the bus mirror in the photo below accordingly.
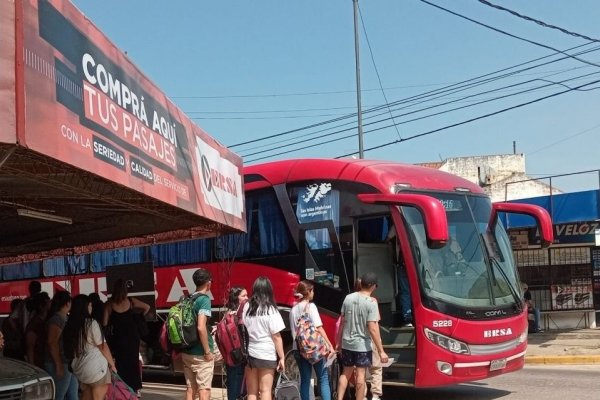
(432, 210)
(540, 215)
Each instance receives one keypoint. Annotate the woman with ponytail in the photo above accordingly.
(305, 294)
(235, 374)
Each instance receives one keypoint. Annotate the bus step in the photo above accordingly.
(398, 337)
(399, 346)
(402, 328)
(401, 374)
(156, 367)
(401, 365)
(398, 384)
(402, 355)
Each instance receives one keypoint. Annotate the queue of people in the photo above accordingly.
(81, 347)
(63, 335)
(359, 346)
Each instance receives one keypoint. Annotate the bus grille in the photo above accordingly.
(12, 394)
(486, 349)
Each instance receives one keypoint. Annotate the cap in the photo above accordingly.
(367, 280)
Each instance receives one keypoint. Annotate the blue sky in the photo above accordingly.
(244, 70)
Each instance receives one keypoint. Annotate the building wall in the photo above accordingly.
(493, 172)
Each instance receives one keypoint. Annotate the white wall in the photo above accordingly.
(493, 172)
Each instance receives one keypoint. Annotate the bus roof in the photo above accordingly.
(380, 174)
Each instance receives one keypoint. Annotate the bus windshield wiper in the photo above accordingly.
(513, 292)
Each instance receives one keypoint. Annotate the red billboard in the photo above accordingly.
(8, 130)
(87, 105)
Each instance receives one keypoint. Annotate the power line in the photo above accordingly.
(304, 139)
(507, 33)
(564, 139)
(478, 102)
(468, 83)
(473, 119)
(419, 110)
(269, 111)
(537, 21)
(260, 118)
(387, 105)
(375, 67)
(428, 132)
(457, 100)
(244, 96)
(338, 108)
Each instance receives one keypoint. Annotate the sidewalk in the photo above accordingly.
(578, 346)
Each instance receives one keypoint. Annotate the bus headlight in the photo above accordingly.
(43, 390)
(445, 342)
(523, 337)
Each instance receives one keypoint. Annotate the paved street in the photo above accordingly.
(533, 382)
(158, 391)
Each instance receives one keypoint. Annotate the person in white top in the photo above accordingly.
(85, 345)
(265, 345)
(305, 292)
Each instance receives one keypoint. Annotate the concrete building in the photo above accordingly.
(502, 176)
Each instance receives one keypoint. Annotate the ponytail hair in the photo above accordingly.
(233, 302)
(303, 289)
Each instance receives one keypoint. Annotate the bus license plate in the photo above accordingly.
(498, 364)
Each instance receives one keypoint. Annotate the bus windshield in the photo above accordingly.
(475, 269)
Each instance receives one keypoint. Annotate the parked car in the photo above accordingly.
(22, 381)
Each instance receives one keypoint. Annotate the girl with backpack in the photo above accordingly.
(305, 293)
(265, 345)
(235, 374)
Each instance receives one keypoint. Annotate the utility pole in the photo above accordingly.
(358, 105)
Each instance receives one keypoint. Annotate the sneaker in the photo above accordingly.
(408, 325)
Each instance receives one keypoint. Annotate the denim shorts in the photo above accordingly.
(357, 358)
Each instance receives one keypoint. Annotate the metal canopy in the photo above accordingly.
(103, 214)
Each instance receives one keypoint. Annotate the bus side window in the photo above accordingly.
(318, 239)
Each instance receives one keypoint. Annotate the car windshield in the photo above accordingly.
(462, 273)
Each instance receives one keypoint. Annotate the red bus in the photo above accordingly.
(329, 221)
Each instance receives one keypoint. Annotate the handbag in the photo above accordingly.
(89, 367)
(286, 389)
(119, 390)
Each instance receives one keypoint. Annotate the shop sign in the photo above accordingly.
(571, 232)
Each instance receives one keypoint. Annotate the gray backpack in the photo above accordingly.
(286, 389)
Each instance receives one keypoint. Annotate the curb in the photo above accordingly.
(570, 359)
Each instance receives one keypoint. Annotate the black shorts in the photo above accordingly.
(262, 364)
(357, 358)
